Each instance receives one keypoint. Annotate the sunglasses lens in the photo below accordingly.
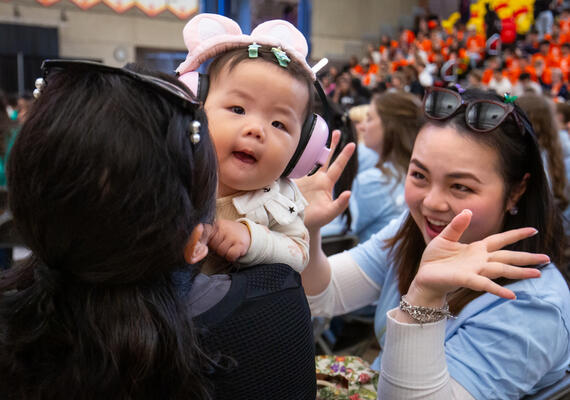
(441, 104)
(484, 116)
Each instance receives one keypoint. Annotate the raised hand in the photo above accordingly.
(447, 265)
(318, 188)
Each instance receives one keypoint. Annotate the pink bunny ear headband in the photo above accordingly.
(208, 35)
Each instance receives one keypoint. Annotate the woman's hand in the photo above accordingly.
(447, 265)
(318, 188)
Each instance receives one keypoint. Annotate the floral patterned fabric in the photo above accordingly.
(345, 378)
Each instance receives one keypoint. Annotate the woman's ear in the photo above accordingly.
(197, 247)
(517, 192)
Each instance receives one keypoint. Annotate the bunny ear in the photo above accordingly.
(205, 26)
(284, 33)
(207, 35)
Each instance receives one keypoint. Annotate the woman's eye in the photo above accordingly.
(237, 110)
(417, 175)
(461, 188)
(279, 125)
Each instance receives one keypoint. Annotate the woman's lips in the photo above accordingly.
(434, 228)
(244, 157)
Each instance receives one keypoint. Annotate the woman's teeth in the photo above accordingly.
(436, 222)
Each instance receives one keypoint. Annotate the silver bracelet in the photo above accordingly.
(425, 315)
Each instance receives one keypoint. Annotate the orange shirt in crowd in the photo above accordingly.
(476, 43)
(565, 67)
(564, 25)
(398, 64)
(487, 75)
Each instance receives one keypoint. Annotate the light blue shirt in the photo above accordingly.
(496, 348)
(367, 158)
(376, 200)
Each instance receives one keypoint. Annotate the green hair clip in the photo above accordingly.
(252, 50)
(281, 57)
(507, 98)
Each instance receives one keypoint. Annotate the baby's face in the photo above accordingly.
(255, 115)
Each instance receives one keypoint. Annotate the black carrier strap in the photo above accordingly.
(262, 333)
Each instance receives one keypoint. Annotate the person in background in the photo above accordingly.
(555, 148)
(541, 114)
(500, 83)
(474, 78)
(393, 121)
(367, 158)
(24, 103)
(526, 85)
(559, 89)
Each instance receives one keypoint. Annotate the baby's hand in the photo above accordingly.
(230, 239)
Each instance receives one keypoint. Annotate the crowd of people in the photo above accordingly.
(175, 222)
(432, 55)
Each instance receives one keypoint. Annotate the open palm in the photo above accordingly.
(447, 265)
(318, 188)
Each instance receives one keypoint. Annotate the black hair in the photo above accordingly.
(105, 189)
(341, 121)
(518, 154)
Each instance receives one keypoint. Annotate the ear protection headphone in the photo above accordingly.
(208, 35)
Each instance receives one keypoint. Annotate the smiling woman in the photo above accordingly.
(476, 153)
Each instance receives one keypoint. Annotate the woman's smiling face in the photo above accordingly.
(450, 172)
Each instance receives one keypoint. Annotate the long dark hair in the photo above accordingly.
(518, 155)
(401, 119)
(540, 112)
(105, 189)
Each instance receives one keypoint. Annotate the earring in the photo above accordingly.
(514, 210)
(40, 84)
(195, 128)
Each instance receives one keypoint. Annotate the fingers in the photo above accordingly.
(334, 142)
(494, 270)
(457, 226)
(335, 169)
(518, 258)
(483, 284)
(341, 202)
(500, 240)
(233, 253)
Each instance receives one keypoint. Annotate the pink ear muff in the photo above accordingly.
(316, 151)
(191, 80)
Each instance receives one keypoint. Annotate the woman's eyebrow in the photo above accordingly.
(463, 175)
(418, 164)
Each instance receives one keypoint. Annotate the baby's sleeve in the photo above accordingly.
(286, 243)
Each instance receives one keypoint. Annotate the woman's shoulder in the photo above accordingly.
(253, 285)
(550, 287)
(534, 297)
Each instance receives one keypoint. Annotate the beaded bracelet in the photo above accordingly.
(425, 315)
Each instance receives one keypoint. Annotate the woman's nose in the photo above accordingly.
(436, 200)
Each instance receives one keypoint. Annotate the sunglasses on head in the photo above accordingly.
(160, 86)
(481, 115)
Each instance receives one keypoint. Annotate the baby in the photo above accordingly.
(257, 96)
